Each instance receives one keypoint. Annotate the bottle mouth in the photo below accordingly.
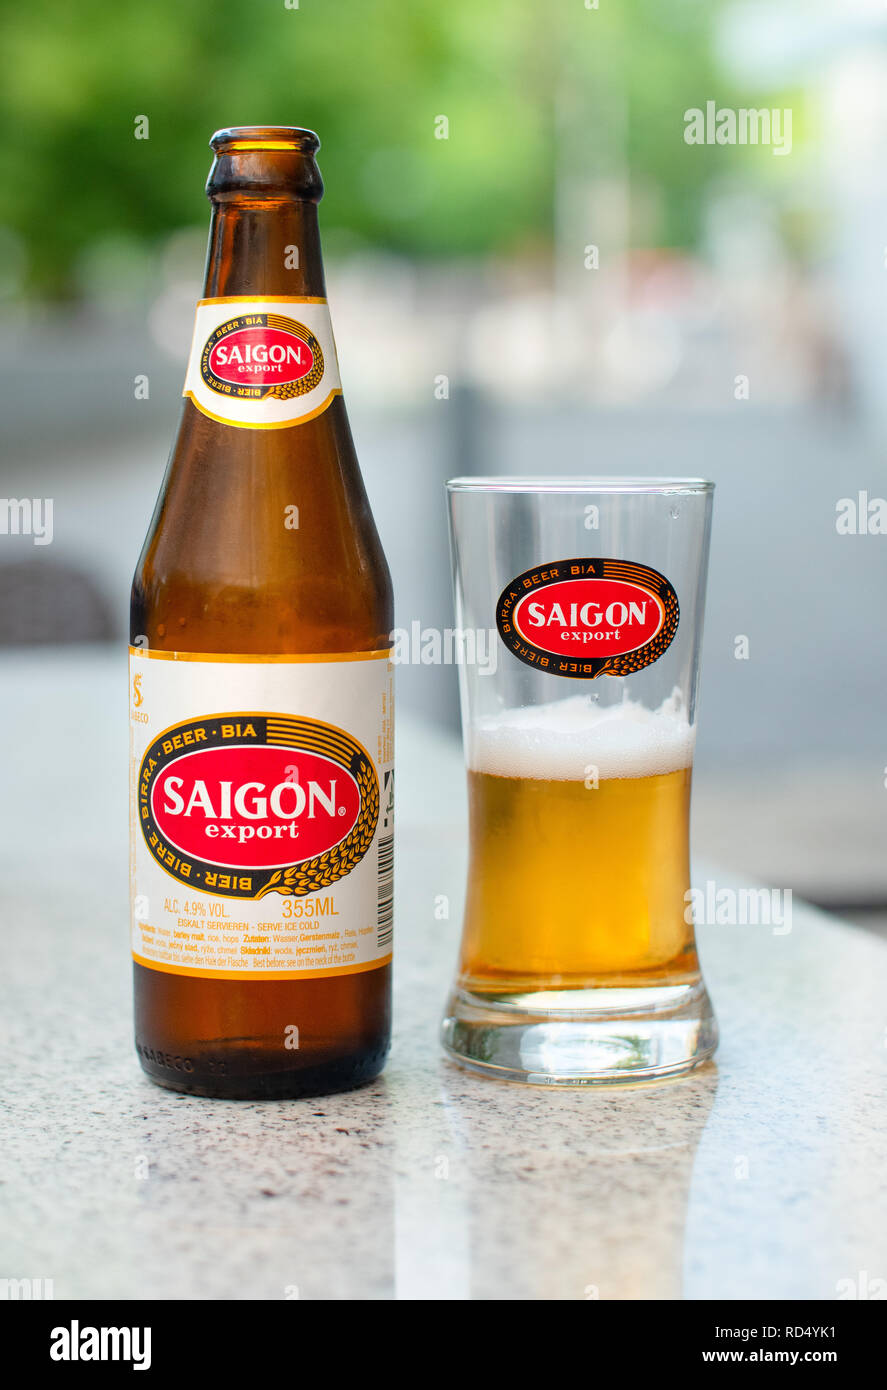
(238, 138)
(269, 163)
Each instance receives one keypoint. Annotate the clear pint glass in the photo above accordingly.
(578, 961)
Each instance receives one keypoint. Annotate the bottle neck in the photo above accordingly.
(264, 247)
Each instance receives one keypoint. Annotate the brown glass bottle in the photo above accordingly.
(226, 571)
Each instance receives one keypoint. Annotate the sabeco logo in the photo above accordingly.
(243, 804)
(258, 355)
(584, 617)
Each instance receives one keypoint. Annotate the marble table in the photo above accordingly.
(759, 1176)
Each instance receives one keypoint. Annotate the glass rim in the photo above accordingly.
(579, 483)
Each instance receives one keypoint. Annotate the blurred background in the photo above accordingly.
(530, 270)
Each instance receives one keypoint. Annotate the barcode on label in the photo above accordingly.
(385, 929)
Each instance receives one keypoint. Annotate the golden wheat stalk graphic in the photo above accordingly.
(290, 389)
(335, 863)
(644, 656)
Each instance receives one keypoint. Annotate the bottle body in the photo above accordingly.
(261, 690)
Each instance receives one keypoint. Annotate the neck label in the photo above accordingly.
(262, 363)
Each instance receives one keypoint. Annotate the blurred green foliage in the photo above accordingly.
(532, 89)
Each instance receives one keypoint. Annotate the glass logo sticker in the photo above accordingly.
(584, 618)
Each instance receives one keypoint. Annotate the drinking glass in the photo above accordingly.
(578, 960)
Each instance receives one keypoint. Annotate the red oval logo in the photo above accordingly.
(582, 617)
(256, 807)
(260, 356)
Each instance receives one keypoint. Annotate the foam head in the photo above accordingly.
(561, 740)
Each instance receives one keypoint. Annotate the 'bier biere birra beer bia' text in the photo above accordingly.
(261, 691)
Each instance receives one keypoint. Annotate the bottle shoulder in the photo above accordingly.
(267, 534)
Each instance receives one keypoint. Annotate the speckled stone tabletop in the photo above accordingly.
(759, 1176)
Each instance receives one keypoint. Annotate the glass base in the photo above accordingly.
(582, 1037)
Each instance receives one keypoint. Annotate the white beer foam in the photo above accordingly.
(561, 740)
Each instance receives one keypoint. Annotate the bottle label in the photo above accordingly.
(585, 618)
(262, 823)
(262, 363)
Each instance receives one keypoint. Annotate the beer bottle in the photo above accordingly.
(260, 679)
